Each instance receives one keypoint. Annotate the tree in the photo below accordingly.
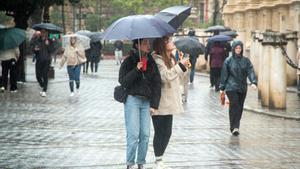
(21, 10)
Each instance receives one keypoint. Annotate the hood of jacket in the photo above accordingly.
(235, 44)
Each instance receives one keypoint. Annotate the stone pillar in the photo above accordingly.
(274, 71)
(260, 63)
(267, 19)
(264, 75)
(291, 48)
(254, 51)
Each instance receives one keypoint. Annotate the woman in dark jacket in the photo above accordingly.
(140, 76)
(235, 71)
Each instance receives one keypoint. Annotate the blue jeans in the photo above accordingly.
(137, 121)
(74, 75)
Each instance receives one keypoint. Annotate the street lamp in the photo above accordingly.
(74, 2)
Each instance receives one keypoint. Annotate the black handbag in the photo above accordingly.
(120, 94)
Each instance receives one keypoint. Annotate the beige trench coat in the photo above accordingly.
(170, 101)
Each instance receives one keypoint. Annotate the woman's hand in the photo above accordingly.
(152, 111)
(139, 65)
(185, 61)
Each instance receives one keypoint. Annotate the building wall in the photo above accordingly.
(282, 16)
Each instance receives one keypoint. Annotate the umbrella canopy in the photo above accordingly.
(137, 27)
(48, 26)
(190, 45)
(11, 38)
(83, 40)
(85, 33)
(96, 36)
(216, 28)
(231, 33)
(219, 38)
(175, 15)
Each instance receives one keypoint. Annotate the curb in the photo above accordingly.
(261, 111)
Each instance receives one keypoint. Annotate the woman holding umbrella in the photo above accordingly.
(74, 56)
(235, 71)
(170, 102)
(140, 76)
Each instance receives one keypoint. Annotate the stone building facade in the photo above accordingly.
(246, 16)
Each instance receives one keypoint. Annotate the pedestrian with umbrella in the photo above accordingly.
(74, 56)
(235, 71)
(96, 48)
(170, 102)
(140, 76)
(10, 39)
(208, 50)
(193, 47)
(43, 48)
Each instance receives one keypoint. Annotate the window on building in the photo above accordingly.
(201, 10)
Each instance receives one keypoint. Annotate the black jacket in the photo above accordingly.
(138, 83)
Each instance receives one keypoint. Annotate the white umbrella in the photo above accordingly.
(83, 40)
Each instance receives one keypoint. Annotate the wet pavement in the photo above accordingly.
(87, 131)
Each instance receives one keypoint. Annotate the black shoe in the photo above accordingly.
(140, 166)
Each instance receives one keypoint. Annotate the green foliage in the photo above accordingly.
(92, 22)
(55, 16)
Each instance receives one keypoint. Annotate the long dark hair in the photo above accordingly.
(134, 48)
(159, 47)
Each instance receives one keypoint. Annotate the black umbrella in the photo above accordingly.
(96, 36)
(217, 28)
(48, 26)
(231, 33)
(190, 45)
(137, 27)
(175, 15)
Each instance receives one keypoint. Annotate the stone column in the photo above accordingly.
(260, 63)
(291, 48)
(274, 75)
(267, 19)
(254, 51)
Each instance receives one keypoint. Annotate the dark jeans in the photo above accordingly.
(41, 69)
(85, 67)
(193, 63)
(215, 77)
(236, 105)
(74, 75)
(96, 66)
(11, 67)
(162, 133)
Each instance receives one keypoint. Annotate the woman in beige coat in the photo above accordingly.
(170, 101)
(74, 56)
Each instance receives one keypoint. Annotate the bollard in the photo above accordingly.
(291, 73)
(274, 79)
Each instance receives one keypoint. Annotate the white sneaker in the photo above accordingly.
(13, 91)
(160, 165)
(43, 94)
(235, 132)
(72, 94)
(2, 89)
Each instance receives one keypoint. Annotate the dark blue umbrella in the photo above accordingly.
(190, 45)
(47, 26)
(219, 38)
(175, 15)
(137, 27)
